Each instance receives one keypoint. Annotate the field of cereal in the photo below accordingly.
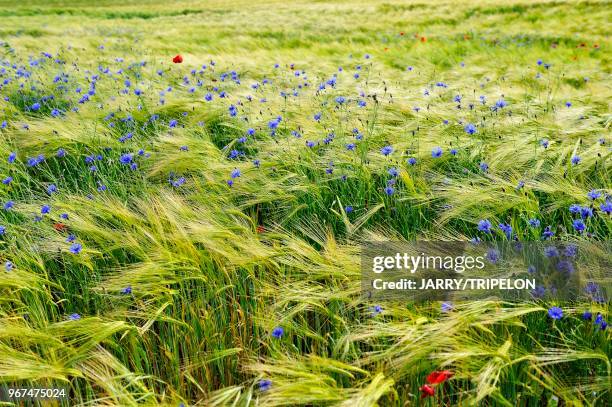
(185, 188)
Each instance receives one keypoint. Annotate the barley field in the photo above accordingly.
(186, 188)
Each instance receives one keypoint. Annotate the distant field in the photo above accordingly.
(189, 232)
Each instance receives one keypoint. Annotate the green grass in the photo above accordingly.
(214, 269)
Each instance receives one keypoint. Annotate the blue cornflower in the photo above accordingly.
(235, 173)
(45, 209)
(593, 194)
(8, 266)
(35, 106)
(2, 230)
(547, 233)
(551, 251)
(392, 171)
(317, 116)
(586, 212)
(507, 229)
(127, 290)
(453, 151)
(386, 150)
(265, 385)
(310, 144)
(606, 207)
(470, 128)
(544, 143)
(7, 180)
(436, 152)
(340, 100)
(76, 248)
(571, 250)
(8, 205)
(126, 158)
(501, 103)
(51, 189)
(568, 104)
(74, 316)
(412, 161)
(350, 146)
(389, 190)
(278, 332)
(446, 307)
(484, 167)
(484, 226)
(493, 255)
(587, 315)
(576, 159)
(579, 225)
(555, 313)
(11, 158)
(534, 222)
(61, 153)
(348, 209)
(376, 309)
(173, 123)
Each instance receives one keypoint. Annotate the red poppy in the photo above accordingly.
(402, 33)
(177, 59)
(260, 229)
(423, 39)
(60, 227)
(439, 376)
(426, 391)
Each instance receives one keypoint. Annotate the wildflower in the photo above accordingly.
(8, 266)
(340, 100)
(126, 158)
(579, 225)
(11, 158)
(426, 391)
(555, 313)
(551, 251)
(45, 209)
(586, 212)
(7, 180)
(571, 250)
(593, 194)
(278, 332)
(348, 209)
(576, 159)
(51, 189)
(392, 171)
(376, 309)
(76, 248)
(493, 256)
(507, 229)
(501, 103)
(446, 307)
(587, 316)
(484, 167)
(74, 317)
(8, 205)
(438, 377)
(606, 207)
(177, 59)
(389, 190)
(484, 226)
(127, 290)
(534, 222)
(35, 106)
(386, 150)
(547, 233)
(2, 230)
(436, 152)
(544, 143)
(412, 161)
(264, 385)
(235, 173)
(470, 129)
(568, 104)
(603, 325)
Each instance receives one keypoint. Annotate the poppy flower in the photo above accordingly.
(177, 59)
(439, 376)
(60, 227)
(426, 391)
(260, 229)
(423, 39)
